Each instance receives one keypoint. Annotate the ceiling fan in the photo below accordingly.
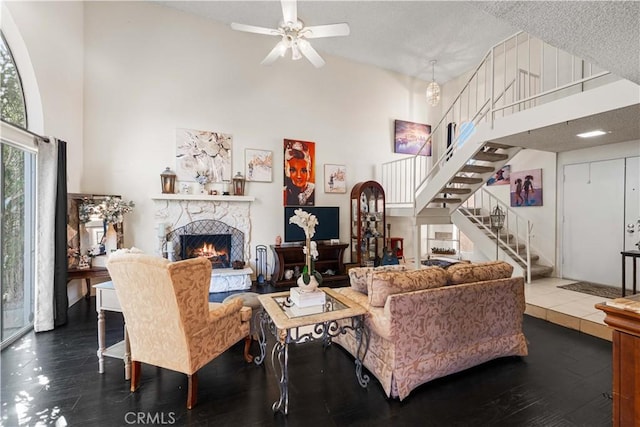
(294, 35)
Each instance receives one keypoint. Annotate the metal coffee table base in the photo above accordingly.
(324, 331)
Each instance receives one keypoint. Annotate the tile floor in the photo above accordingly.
(570, 309)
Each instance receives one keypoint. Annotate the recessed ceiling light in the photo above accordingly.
(591, 134)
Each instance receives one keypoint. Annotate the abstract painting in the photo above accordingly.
(501, 177)
(409, 137)
(258, 165)
(335, 179)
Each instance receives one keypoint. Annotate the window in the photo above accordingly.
(17, 192)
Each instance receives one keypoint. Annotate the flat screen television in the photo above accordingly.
(328, 223)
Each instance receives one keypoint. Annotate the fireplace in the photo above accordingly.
(211, 239)
(214, 247)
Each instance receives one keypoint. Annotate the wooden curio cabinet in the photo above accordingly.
(367, 223)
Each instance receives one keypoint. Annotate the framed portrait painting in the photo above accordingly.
(258, 165)
(335, 178)
(526, 188)
(411, 138)
(299, 173)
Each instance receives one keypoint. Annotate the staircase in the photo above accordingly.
(516, 79)
(513, 241)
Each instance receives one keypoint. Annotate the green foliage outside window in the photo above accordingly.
(12, 185)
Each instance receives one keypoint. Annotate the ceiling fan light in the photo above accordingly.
(295, 52)
(433, 93)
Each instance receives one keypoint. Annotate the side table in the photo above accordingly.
(634, 255)
(87, 274)
(107, 300)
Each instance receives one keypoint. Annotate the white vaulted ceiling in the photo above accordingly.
(404, 36)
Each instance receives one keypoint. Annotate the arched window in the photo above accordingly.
(17, 189)
(13, 109)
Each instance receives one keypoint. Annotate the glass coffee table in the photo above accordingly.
(291, 324)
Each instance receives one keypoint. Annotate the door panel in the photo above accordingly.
(593, 208)
(632, 214)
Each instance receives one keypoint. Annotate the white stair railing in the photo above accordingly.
(514, 238)
(519, 73)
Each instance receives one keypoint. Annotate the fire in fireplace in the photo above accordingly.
(215, 247)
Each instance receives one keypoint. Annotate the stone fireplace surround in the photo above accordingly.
(176, 210)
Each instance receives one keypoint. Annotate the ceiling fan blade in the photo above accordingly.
(330, 30)
(310, 53)
(290, 11)
(276, 52)
(254, 29)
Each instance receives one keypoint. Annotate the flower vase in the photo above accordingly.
(311, 287)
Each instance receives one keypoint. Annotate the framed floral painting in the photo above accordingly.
(258, 165)
(203, 156)
(335, 178)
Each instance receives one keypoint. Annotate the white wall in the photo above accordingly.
(46, 39)
(149, 70)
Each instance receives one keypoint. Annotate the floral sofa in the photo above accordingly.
(427, 323)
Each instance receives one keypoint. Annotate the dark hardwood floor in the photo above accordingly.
(53, 377)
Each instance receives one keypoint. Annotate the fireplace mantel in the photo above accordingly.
(203, 197)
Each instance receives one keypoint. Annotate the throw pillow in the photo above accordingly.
(480, 272)
(385, 283)
(360, 277)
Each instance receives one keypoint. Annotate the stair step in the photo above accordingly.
(534, 258)
(477, 169)
(466, 180)
(446, 200)
(496, 145)
(470, 212)
(455, 190)
(490, 157)
(539, 271)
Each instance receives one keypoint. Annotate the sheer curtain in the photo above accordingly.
(51, 300)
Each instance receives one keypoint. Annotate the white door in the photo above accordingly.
(593, 217)
(632, 215)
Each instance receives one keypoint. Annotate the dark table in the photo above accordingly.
(634, 255)
(87, 274)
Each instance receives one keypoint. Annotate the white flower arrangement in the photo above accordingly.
(308, 223)
(202, 177)
(111, 209)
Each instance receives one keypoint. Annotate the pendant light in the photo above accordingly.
(433, 90)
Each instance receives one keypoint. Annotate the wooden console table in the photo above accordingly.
(626, 360)
(87, 274)
(288, 257)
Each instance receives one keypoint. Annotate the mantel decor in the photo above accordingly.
(310, 279)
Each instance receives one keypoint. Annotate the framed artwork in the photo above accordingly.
(299, 173)
(258, 165)
(501, 177)
(203, 156)
(409, 137)
(526, 188)
(335, 178)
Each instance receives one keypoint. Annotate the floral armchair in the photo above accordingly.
(169, 320)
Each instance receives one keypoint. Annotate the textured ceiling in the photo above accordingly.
(404, 36)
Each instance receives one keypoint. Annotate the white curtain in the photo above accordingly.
(47, 171)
